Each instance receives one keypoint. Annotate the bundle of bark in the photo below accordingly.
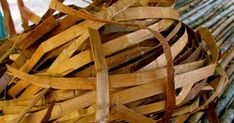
(218, 16)
(113, 61)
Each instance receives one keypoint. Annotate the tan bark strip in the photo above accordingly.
(147, 13)
(222, 82)
(115, 60)
(57, 41)
(59, 95)
(47, 115)
(28, 108)
(121, 80)
(102, 83)
(38, 32)
(100, 17)
(171, 101)
(110, 47)
(84, 100)
(158, 86)
(176, 49)
(207, 37)
(9, 110)
(161, 105)
(62, 108)
(67, 52)
(64, 24)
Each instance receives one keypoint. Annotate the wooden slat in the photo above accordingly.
(147, 13)
(176, 49)
(38, 32)
(155, 87)
(117, 81)
(102, 83)
(110, 47)
(28, 108)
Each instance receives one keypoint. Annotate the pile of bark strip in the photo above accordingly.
(113, 61)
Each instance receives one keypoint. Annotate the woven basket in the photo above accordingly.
(116, 61)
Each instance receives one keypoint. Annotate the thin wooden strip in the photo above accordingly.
(115, 60)
(147, 13)
(47, 46)
(176, 49)
(57, 41)
(64, 24)
(195, 91)
(8, 51)
(9, 110)
(158, 86)
(67, 52)
(62, 108)
(184, 92)
(16, 102)
(100, 17)
(174, 31)
(169, 37)
(60, 95)
(116, 81)
(110, 47)
(70, 20)
(48, 14)
(30, 91)
(124, 113)
(52, 54)
(102, 84)
(161, 105)
(187, 109)
(112, 28)
(5, 44)
(24, 55)
(94, 95)
(47, 115)
(38, 32)
(42, 81)
(207, 37)
(146, 2)
(222, 82)
(28, 108)
(171, 101)
(195, 55)
(158, 106)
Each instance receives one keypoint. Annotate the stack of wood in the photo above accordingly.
(113, 61)
(218, 16)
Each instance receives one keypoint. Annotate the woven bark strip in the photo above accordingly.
(118, 61)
